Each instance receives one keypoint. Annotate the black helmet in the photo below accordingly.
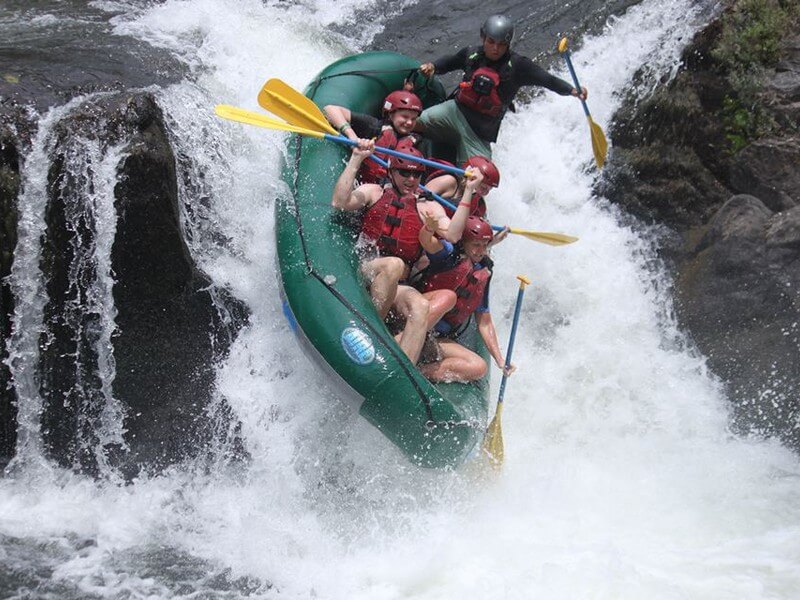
(498, 27)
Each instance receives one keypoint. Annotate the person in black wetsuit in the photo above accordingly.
(493, 75)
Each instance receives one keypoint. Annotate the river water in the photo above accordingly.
(622, 479)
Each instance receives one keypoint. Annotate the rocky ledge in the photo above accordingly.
(714, 155)
(171, 324)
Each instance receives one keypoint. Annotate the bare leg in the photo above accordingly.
(382, 275)
(411, 305)
(458, 364)
(441, 301)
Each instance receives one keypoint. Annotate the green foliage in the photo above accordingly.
(744, 124)
(750, 42)
(752, 33)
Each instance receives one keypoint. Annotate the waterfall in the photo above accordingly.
(622, 479)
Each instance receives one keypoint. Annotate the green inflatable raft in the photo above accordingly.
(324, 296)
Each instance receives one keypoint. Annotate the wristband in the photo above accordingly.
(343, 127)
(467, 204)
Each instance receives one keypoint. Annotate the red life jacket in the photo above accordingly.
(371, 171)
(480, 92)
(434, 173)
(480, 88)
(394, 224)
(469, 284)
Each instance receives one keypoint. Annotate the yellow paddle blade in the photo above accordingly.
(599, 143)
(545, 237)
(493, 440)
(283, 100)
(234, 113)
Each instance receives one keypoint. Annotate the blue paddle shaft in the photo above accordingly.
(428, 163)
(436, 196)
(511, 341)
(567, 58)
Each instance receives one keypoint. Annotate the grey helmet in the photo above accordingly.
(498, 27)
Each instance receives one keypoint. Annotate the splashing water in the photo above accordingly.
(621, 478)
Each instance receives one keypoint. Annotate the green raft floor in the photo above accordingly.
(327, 303)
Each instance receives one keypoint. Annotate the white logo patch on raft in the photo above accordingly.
(358, 346)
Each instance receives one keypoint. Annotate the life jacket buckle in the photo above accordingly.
(482, 85)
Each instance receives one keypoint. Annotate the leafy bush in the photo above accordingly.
(750, 42)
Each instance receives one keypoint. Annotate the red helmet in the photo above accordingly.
(406, 145)
(491, 174)
(477, 229)
(401, 99)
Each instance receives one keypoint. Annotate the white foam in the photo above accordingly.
(621, 479)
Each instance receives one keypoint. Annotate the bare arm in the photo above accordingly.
(344, 196)
(339, 116)
(426, 235)
(459, 220)
(489, 336)
(444, 185)
(435, 211)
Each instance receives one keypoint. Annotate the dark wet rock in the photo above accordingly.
(9, 189)
(734, 217)
(769, 169)
(663, 184)
(172, 326)
(667, 163)
(169, 329)
(53, 52)
(739, 295)
(786, 82)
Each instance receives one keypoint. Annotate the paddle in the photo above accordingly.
(241, 115)
(599, 143)
(291, 105)
(283, 100)
(493, 441)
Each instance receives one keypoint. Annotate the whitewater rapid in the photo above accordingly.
(621, 480)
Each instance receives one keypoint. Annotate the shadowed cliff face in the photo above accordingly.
(49, 54)
(680, 159)
(167, 330)
(9, 189)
